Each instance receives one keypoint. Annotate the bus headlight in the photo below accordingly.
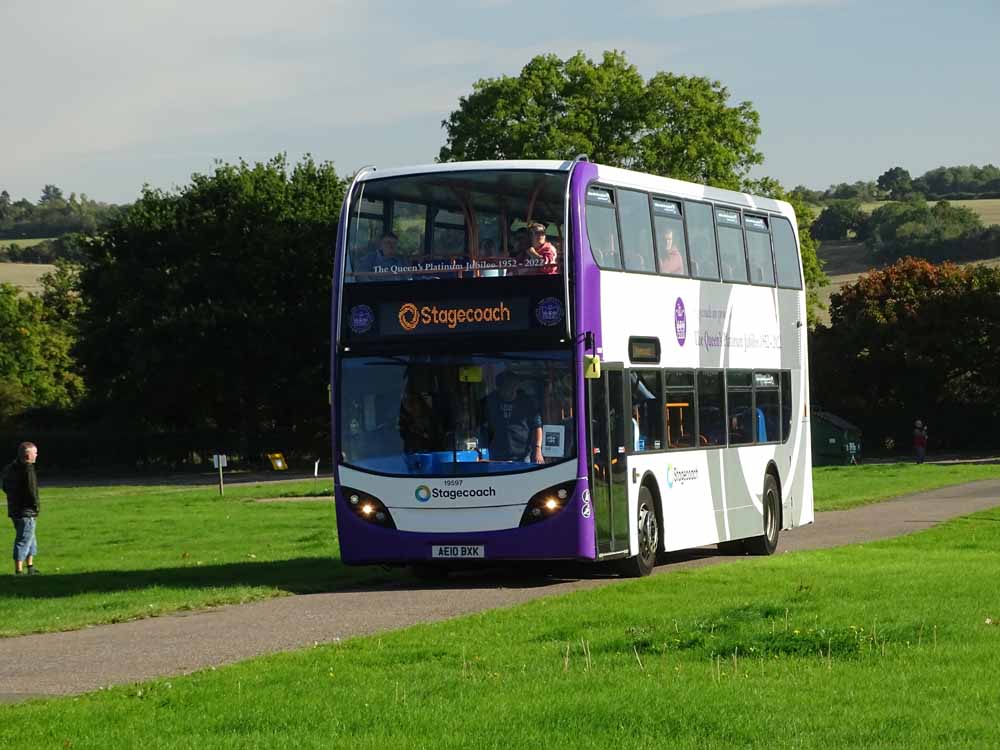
(367, 507)
(547, 503)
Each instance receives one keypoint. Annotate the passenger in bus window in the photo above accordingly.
(383, 257)
(542, 251)
(512, 423)
(520, 245)
(671, 260)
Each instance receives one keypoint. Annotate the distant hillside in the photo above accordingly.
(988, 209)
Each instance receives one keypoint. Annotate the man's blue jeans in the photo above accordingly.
(25, 545)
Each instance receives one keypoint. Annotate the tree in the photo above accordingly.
(672, 125)
(913, 228)
(896, 182)
(36, 366)
(208, 307)
(51, 194)
(914, 340)
(839, 220)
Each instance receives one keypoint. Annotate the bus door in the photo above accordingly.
(608, 474)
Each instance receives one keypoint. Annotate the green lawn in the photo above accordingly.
(885, 645)
(110, 554)
(841, 487)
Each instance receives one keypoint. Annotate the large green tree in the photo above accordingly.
(674, 125)
(208, 307)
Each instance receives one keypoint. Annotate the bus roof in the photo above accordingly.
(610, 175)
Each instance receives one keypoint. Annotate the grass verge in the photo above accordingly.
(110, 554)
(117, 553)
(886, 645)
(842, 487)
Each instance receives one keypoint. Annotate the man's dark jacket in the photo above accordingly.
(21, 486)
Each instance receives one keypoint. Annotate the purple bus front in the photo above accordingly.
(457, 379)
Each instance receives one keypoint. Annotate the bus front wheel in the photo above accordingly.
(649, 538)
(767, 543)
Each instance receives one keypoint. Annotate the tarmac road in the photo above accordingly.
(85, 660)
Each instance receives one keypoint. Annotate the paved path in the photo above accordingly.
(84, 660)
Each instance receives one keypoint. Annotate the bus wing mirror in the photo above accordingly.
(591, 367)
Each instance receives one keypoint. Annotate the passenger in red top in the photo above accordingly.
(542, 250)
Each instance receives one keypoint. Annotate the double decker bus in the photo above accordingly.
(542, 360)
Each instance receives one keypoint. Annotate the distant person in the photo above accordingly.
(919, 441)
(21, 487)
(671, 260)
(522, 244)
(542, 250)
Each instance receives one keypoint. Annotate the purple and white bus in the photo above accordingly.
(540, 360)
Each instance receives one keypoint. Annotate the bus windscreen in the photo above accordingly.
(450, 225)
(457, 415)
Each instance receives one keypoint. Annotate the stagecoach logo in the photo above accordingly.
(362, 318)
(680, 476)
(423, 493)
(680, 321)
(549, 311)
(409, 318)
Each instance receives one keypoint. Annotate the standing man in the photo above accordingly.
(21, 487)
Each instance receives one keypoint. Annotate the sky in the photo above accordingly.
(103, 96)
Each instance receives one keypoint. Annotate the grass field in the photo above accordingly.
(987, 208)
(110, 554)
(885, 645)
(25, 276)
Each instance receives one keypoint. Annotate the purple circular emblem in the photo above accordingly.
(549, 311)
(680, 321)
(362, 318)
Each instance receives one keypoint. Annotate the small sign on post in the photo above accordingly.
(220, 461)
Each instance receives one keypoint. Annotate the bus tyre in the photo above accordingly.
(766, 543)
(649, 538)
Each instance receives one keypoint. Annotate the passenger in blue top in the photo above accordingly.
(512, 423)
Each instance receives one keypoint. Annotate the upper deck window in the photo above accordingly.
(759, 251)
(637, 231)
(786, 254)
(701, 235)
(670, 245)
(734, 262)
(456, 225)
(602, 228)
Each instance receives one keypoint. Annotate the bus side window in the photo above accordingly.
(647, 410)
(711, 408)
(602, 228)
(786, 253)
(680, 409)
(734, 260)
(637, 231)
(759, 250)
(701, 238)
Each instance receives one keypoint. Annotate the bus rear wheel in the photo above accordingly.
(767, 543)
(649, 538)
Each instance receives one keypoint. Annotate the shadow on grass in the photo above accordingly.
(296, 576)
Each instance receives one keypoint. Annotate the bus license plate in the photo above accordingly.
(458, 551)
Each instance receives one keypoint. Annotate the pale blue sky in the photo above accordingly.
(101, 96)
